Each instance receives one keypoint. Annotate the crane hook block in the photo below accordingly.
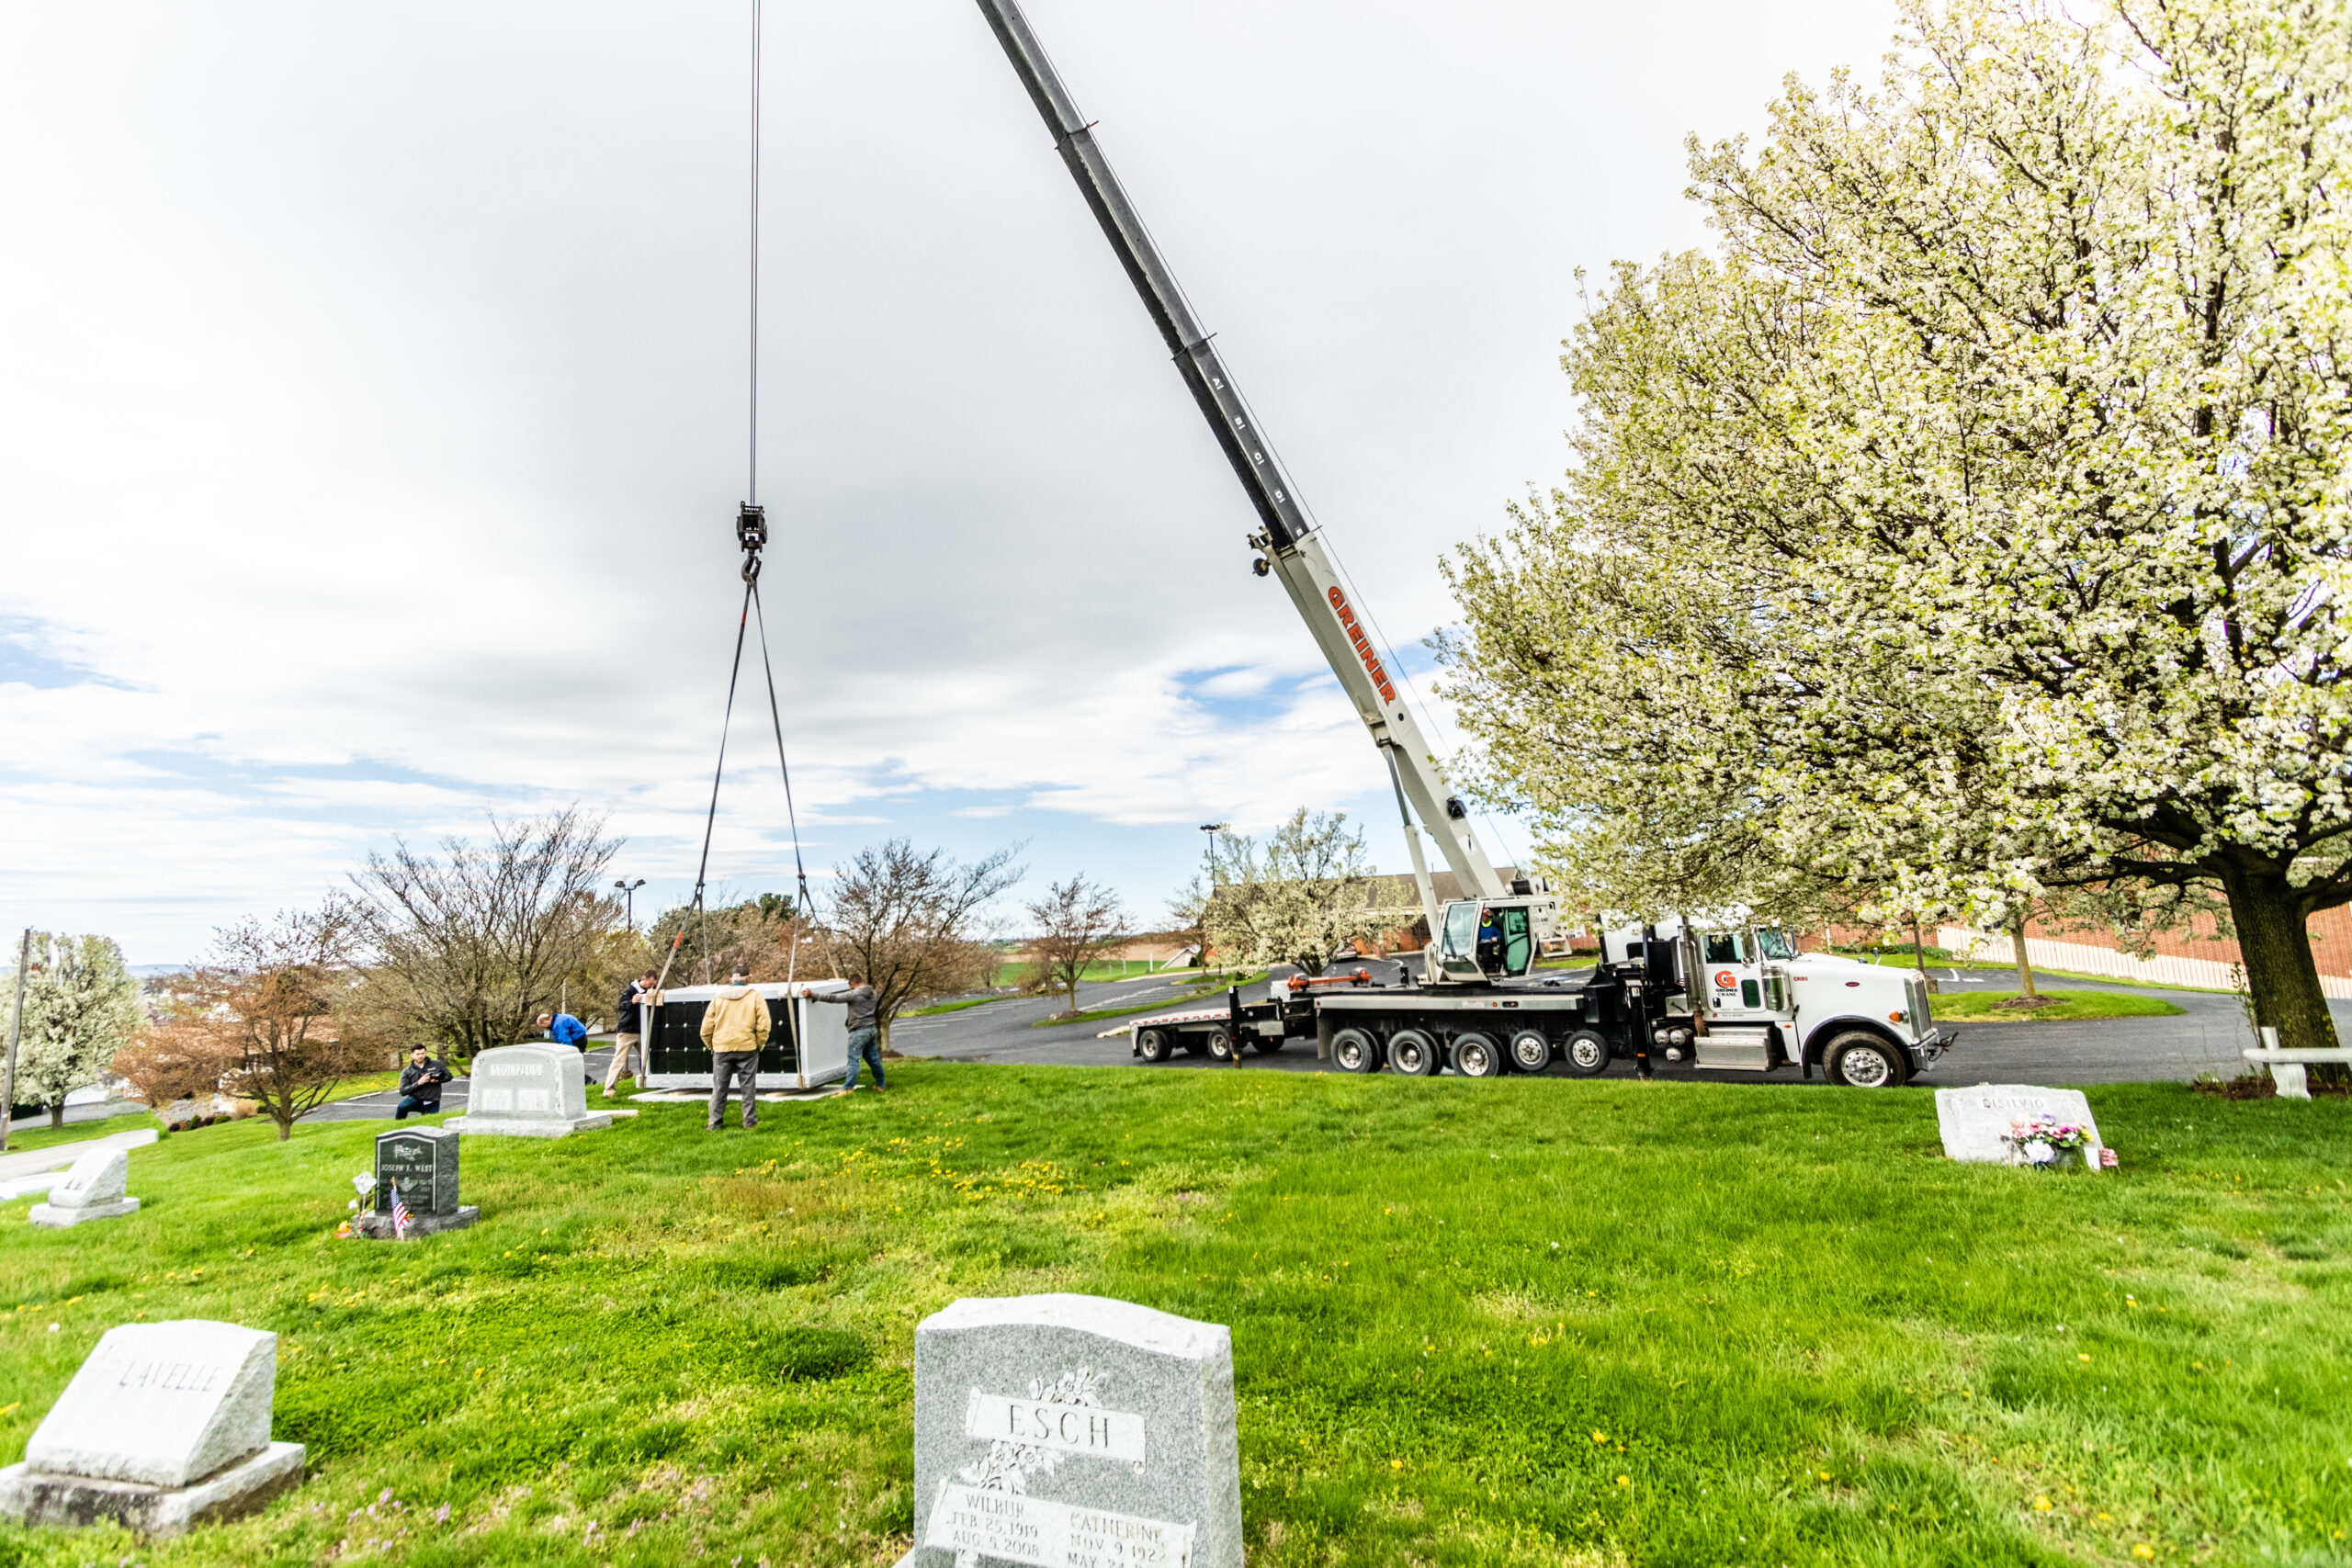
(751, 528)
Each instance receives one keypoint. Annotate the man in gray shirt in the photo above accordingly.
(864, 1038)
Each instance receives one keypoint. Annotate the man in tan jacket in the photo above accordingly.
(735, 1025)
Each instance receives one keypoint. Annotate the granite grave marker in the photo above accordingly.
(534, 1090)
(419, 1165)
(1066, 1431)
(1973, 1119)
(93, 1189)
(166, 1423)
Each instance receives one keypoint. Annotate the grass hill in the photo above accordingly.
(1511, 1321)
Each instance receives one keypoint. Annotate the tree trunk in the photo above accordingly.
(285, 1127)
(2025, 964)
(57, 1114)
(1919, 960)
(2277, 948)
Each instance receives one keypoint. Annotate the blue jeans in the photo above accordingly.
(410, 1103)
(865, 1045)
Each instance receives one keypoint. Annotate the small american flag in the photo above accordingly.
(400, 1216)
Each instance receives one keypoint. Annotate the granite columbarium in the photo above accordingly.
(166, 1425)
(535, 1090)
(1067, 1431)
(93, 1189)
(418, 1165)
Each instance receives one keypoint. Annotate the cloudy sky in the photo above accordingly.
(372, 411)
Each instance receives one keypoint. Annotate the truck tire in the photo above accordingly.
(1267, 1045)
(1586, 1052)
(1859, 1059)
(1152, 1045)
(1413, 1054)
(1531, 1052)
(1478, 1056)
(1220, 1046)
(1355, 1051)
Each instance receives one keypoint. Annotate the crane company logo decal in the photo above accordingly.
(1725, 980)
(1362, 646)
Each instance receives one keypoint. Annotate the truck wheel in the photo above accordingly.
(1267, 1045)
(1152, 1045)
(1862, 1060)
(1475, 1057)
(1587, 1054)
(1220, 1046)
(1530, 1051)
(1355, 1051)
(1412, 1052)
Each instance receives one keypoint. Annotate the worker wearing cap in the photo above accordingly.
(735, 1025)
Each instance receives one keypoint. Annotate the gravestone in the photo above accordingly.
(93, 1189)
(1973, 1119)
(534, 1090)
(1071, 1431)
(420, 1164)
(166, 1423)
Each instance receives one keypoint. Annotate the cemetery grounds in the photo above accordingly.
(1526, 1320)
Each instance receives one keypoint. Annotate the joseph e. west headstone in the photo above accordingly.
(418, 1165)
(534, 1090)
(1066, 1431)
(164, 1424)
(93, 1189)
(1973, 1119)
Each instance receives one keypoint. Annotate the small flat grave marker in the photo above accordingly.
(533, 1090)
(420, 1166)
(166, 1423)
(1973, 1119)
(93, 1189)
(1066, 1431)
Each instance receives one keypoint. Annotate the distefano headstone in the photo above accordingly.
(93, 1189)
(165, 1424)
(534, 1090)
(1973, 1120)
(419, 1166)
(1069, 1431)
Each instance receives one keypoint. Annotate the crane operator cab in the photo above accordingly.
(1495, 939)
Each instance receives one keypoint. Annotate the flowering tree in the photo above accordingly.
(1296, 898)
(81, 1006)
(1977, 521)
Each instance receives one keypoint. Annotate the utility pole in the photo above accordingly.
(1209, 856)
(16, 1027)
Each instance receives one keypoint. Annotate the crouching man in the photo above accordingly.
(421, 1083)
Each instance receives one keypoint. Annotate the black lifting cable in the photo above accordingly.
(751, 534)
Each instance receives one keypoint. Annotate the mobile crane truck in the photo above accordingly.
(1722, 994)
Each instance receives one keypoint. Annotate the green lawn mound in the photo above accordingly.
(2049, 1007)
(1518, 1322)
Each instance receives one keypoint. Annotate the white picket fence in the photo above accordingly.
(2084, 958)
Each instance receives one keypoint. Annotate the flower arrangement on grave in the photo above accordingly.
(2044, 1141)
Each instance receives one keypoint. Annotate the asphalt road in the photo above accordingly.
(2205, 1037)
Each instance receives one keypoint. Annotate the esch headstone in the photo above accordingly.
(1069, 1431)
(535, 1091)
(419, 1165)
(93, 1189)
(166, 1423)
(1973, 1120)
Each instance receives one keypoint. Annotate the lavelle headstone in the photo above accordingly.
(165, 1424)
(535, 1091)
(1974, 1121)
(419, 1167)
(93, 1189)
(1067, 1431)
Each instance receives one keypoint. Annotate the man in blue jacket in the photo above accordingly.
(565, 1030)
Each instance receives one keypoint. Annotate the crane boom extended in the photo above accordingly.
(1287, 538)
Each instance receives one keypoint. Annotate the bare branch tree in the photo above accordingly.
(1079, 921)
(908, 923)
(472, 948)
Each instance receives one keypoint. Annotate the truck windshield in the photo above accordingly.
(1773, 943)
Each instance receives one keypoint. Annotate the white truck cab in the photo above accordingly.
(1755, 1003)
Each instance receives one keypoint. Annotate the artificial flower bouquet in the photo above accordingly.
(2046, 1142)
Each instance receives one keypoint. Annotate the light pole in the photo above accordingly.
(1212, 830)
(629, 898)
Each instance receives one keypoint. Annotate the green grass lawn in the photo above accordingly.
(1516, 1322)
(24, 1138)
(1984, 1007)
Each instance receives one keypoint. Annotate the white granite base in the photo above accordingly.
(57, 1219)
(42, 1497)
(530, 1126)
